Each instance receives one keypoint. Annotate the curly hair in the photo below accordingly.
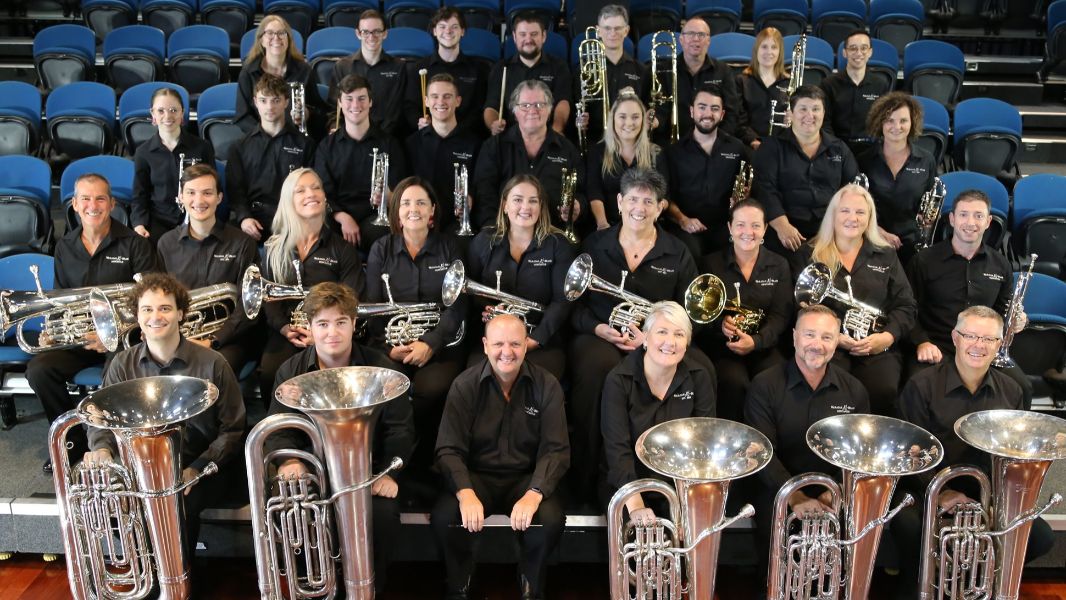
(164, 283)
(890, 103)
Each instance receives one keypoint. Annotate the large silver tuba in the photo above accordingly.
(658, 97)
(123, 525)
(979, 552)
(678, 556)
(815, 283)
(379, 186)
(929, 213)
(462, 199)
(632, 310)
(795, 80)
(292, 531)
(456, 282)
(1014, 311)
(592, 73)
(815, 556)
(255, 291)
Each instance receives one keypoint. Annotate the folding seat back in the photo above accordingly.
(649, 16)
(722, 16)
(215, 116)
(81, 119)
(410, 13)
(835, 19)
(301, 15)
(478, 14)
(481, 44)
(199, 57)
(134, 54)
(732, 48)
(818, 62)
(64, 54)
(235, 16)
(934, 136)
(933, 69)
(898, 22)
(168, 15)
(326, 46)
(345, 13)
(24, 201)
(104, 15)
(20, 118)
(788, 16)
(134, 112)
(408, 43)
(988, 133)
(1039, 222)
(547, 10)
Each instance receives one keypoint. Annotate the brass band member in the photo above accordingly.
(784, 401)
(212, 436)
(763, 80)
(758, 279)
(899, 170)
(331, 310)
(275, 53)
(532, 258)
(654, 384)
(99, 251)
(300, 232)
(850, 244)
(851, 91)
(502, 448)
(205, 251)
(937, 397)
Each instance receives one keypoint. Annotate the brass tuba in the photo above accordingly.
(815, 556)
(679, 555)
(255, 291)
(592, 72)
(815, 283)
(979, 553)
(929, 213)
(1014, 309)
(456, 282)
(658, 98)
(295, 527)
(118, 520)
(632, 310)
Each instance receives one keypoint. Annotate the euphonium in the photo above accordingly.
(379, 186)
(592, 66)
(117, 519)
(795, 80)
(567, 201)
(294, 527)
(462, 202)
(298, 106)
(658, 98)
(209, 309)
(815, 283)
(679, 555)
(456, 282)
(815, 556)
(255, 291)
(631, 311)
(979, 553)
(742, 183)
(929, 213)
(1014, 310)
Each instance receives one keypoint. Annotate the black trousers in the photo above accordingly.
(735, 373)
(914, 367)
(209, 491)
(498, 494)
(879, 373)
(278, 349)
(429, 390)
(48, 374)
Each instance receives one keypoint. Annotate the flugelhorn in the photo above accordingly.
(658, 97)
(795, 80)
(815, 283)
(462, 199)
(292, 531)
(298, 110)
(592, 67)
(122, 524)
(631, 311)
(209, 309)
(255, 291)
(830, 555)
(929, 213)
(742, 183)
(1014, 312)
(456, 282)
(379, 186)
(567, 200)
(679, 555)
(980, 551)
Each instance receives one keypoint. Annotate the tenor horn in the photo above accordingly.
(456, 282)
(123, 525)
(255, 291)
(679, 555)
(815, 283)
(706, 300)
(631, 311)
(339, 409)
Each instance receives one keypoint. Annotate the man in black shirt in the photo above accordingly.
(260, 162)
(99, 251)
(851, 92)
(387, 74)
(502, 446)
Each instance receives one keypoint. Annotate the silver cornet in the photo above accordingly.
(929, 213)
(462, 204)
(379, 186)
(456, 282)
(631, 311)
(815, 283)
(298, 110)
(1014, 311)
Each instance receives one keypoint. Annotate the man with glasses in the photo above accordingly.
(387, 74)
(530, 62)
(851, 92)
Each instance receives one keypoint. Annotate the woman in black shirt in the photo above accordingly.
(763, 80)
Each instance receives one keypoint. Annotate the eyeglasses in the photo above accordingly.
(699, 36)
(531, 105)
(371, 32)
(971, 338)
(862, 49)
(159, 112)
(280, 34)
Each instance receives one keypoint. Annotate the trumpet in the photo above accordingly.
(462, 204)
(592, 64)
(298, 110)
(631, 311)
(1014, 310)
(795, 80)
(567, 201)
(255, 291)
(379, 186)
(182, 165)
(815, 283)
(658, 98)
(929, 213)
(456, 282)
(742, 183)
(209, 309)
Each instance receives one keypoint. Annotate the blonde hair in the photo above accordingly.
(288, 229)
(824, 242)
(542, 228)
(612, 154)
(256, 53)
(671, 311)
(779, 66)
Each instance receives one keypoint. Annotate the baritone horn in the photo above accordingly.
(669, 49)
(928, 215)
(255, 291)
(592, 67)
(456, 282)
(678, 555)
(829, 555)
(292, 531)
(980, 551)
(123, 524)
(815, 283)
(630, 312)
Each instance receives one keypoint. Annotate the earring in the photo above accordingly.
(730, 239)
(762, 241)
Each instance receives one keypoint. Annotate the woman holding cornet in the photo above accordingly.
(763, 80)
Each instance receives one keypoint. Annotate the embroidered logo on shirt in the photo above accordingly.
(730, 155)
(224, 257)
(915, 170)
(662, 270)
(438, 268)
(836, 158)
(117, 260)
(389, 74)
(842, 409)
(463, 156)
(559, 160)
(548, 79)
(540, 262)
(293, 150)
(532, 411)
(768, 282)
(631, 76)
(685, 395)
(878, 268)
(993, 276)
(325, 260)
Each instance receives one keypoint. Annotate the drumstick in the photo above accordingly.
(422, 76)
(503, 90)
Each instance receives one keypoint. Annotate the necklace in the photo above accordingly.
(644, 245)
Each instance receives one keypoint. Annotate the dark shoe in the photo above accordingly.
(7, 412)
(462, 593)
(525, 589)
(47, 467)
(1056, 380)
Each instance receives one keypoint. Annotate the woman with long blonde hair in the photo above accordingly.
(763, 80)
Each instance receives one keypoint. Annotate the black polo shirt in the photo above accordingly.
(155, 178)
(257, 167)
(121, 255)
(221, 257)
(296, 71)
(627, 72)
(605, 187)
(504, 156)
(701, 182)
(433, 157)
(847, 104)
(630, 408)
(711, 72)
(664, 274)
(756, 97)
(538, 276)
(484, 432)
(789, 183)
(769, 289)
(552, 71)
(388, 84)
(782, 405)
(417, 279)
(470, 75)
(946, 283)
(897, 197)
(345, 165)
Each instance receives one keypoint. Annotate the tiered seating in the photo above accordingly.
(134, 112)
(20, 118)
(933, 69)
(410, 13)
(721, 15)
(168, 15)
(988, 133)
(198, 57)
(898, 22)
(64, 54)
(649, 16)
(24, 202)
(81, 119)
(1039, 222)
(134, 54)
(788, 16)
(835, 19)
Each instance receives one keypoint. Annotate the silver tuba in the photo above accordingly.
(679, 556)
(292, 531)
(456, 282)
(632, 310)
(410, 320)
(298, 106)
(815, 556)
(929, 213)
(1014, 309)
(592, 73)
(795, 80)
(255, 291)
(815, 283)
(462, 199)
(379, 186)
(979, 553)
(658, 97)
(123, 525)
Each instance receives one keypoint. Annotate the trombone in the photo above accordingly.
(795, 80)
(592, 65)
(658, 98)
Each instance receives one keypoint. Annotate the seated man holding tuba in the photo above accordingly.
(213, 436)
(331, 311)
(502, 447)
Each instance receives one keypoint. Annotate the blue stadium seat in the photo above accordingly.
(25, 194)
(235, 16)
(1055, 49)
(248, 40)
(722, 16)
(104, 15)
(478, 14)
(960, 181)
(89, 378)
(326, 46)
(64, 54)
(733, 47)
(547, 9)
(118, 172)
(818, 62)
(301, 15)
(134, 54)
(883, 63)
(555, 45)
(408, 43)
(1045, 302)
(215, 115)
(168, 15)
(644, 46)
(1039, 222)
(649, 16)
(223, 210)
(934, 136)
(835, 19)
(15, 275)
(20, 118)
(1042, 344)
(898, 22)
(988, 133)
(199, 57)
(410, 13)
(481, 43)
(134, 112)
(81, 119)
(345, 13)
(933, 69)
(627, 46)
(788, 16)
